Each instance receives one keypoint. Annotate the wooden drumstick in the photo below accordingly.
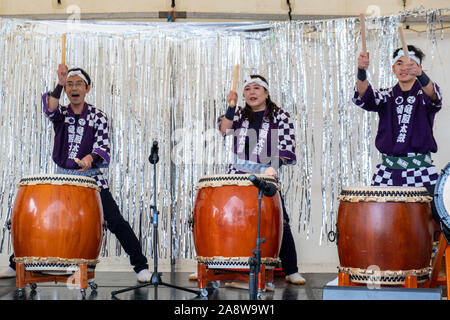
(235, 77)
(404, 45)
(362, 19)
(79, 162)
(63, 53)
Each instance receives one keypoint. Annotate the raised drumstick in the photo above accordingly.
(362, 19)
(63, 52)
(235, 77)
(404, 45)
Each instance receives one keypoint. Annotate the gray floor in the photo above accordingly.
(108, 282)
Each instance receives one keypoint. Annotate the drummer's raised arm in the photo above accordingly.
(361, 81)
(226, 122)
(53, 100)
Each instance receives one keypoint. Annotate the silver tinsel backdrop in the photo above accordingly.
(168, 82)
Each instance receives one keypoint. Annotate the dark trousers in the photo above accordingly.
(288, 254)
(121, 229)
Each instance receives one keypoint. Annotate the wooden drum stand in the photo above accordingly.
(441, 263)
(79, 278)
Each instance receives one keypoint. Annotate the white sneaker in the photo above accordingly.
(334, 282)
(7, 273)
(193, 276)
(270, 286)
(295, 278)
(144, 275)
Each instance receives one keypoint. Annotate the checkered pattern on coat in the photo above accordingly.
(286, 133)
(99, 120)
(418, 177)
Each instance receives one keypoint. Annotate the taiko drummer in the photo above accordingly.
(406, 117)
(264, 140)
(81, 132)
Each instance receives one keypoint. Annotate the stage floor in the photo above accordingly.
(108, 282)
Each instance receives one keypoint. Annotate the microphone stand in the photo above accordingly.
(255, 261)
(156, 276)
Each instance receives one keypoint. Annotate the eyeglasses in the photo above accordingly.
(77, 84)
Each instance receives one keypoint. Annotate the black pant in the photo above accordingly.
(288, 254)
(121, 229)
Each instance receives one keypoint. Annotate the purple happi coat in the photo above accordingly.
(405, 129)
(76, 139)
(256, 144)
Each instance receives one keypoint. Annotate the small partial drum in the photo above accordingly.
(57, 222)
(442, 200)
(226, 222)
(384, 234)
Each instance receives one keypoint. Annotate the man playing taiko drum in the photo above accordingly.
(406, 116)
(81, 132)
(405, 130)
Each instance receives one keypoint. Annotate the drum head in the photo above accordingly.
(442, 196)
(59, 179)
(220, 180)
(385, 194)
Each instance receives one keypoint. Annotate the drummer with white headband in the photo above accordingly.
(82, 132)
(406, 116)
(263, 141)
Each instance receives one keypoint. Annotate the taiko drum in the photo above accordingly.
(387, 230)
(226, 221)
(57, 218)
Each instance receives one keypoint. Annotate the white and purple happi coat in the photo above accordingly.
(78, 138)
(260, 144)
(405, 129)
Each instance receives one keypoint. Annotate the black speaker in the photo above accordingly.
(364, 293)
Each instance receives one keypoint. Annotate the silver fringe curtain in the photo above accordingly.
(168, 82)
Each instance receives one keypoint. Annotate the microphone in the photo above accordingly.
(268, 189)
(153, 158)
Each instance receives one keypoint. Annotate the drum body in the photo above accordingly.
(442, 200)
(384, 234)
(226, 221)
(57, 222)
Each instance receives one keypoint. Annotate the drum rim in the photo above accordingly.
(385, 194)
(59, 179)
(439, 196)
(48, 262)
(233, 179)
(384, 277)
(236, 261)
(385, 188)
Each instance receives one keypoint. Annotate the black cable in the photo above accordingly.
(290, 9)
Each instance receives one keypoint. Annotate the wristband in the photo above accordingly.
(230, 113)
(423, 79)
(57, 92)
(362, 75)
(95, 157)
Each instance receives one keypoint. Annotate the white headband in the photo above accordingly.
(256, 80)
(412, 55)
(78, 73)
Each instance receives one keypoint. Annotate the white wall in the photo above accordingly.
(299, 7)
